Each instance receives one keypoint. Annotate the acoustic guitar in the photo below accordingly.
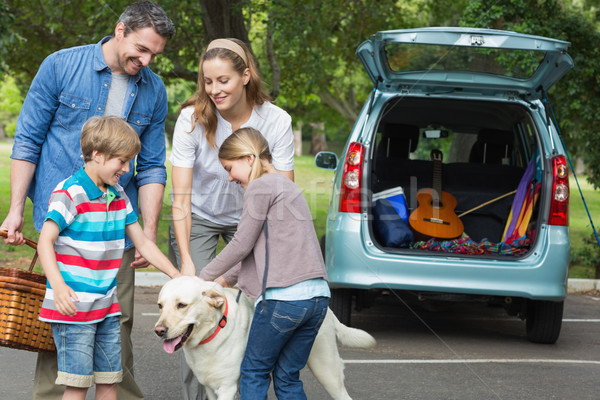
(435, 216)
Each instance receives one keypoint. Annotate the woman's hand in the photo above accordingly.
(188, 269)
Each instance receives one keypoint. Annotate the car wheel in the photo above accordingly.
(341, 304)
(544, 320)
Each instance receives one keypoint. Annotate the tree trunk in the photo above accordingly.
(275, 70)
(224, 19)
(298, 140)
(345, 106)
(579, 166)
(318, 143)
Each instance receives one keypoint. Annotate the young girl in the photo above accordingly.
(281, 267)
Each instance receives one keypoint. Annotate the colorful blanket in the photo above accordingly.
(465, 245)
(524, 202)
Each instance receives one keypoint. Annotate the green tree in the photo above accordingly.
(306, 48)
(576, 98)
(314, 45)
(307, 61)
(10, 105)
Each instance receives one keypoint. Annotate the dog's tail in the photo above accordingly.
(351, 337)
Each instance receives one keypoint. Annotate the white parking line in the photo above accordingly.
(152, 314)
(475, 361)
(580, 320)
(468, 361)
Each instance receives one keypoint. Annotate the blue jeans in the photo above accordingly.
(88, 353)
(281, 338)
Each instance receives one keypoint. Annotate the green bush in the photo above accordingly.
(588, 255)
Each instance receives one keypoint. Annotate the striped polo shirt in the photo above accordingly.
(89, 247)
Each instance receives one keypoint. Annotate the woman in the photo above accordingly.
(205, 205)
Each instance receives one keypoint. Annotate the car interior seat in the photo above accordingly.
(493, 146)
(392, 154)
(397, 141)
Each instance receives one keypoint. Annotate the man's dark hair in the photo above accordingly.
(145, 14)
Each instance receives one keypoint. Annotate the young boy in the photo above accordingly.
(80, 247)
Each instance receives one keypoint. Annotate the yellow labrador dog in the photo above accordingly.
(211, 324)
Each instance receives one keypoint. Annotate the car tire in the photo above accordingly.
(544, 320)
(341, 304)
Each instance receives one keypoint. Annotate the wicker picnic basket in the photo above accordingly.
(21, 296)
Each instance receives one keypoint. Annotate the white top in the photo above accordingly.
(213, 197)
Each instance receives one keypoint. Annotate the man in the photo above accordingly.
(108, 78)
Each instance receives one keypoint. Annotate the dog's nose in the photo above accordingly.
(161, 330)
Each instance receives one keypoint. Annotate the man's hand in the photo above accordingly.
(140, 262)
(21, 174)
(13, 225)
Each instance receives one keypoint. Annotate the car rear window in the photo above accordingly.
(519, 64)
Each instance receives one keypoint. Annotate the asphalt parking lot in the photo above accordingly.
(463, 352)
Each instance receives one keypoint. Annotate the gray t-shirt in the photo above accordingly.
(116, 95)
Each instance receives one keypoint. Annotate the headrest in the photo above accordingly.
(495, 136)
(402, 138)
(493, 146)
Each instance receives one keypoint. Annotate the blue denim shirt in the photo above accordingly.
(70, 87)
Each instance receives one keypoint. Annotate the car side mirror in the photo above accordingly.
(326, 160)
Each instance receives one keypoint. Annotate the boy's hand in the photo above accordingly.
(64, 300)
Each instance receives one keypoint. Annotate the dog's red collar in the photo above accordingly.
(221, 325)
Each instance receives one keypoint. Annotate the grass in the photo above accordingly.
(313, 181)
(580, 228)
(315, 184)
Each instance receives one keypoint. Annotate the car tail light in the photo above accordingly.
(559, 205)
(350, 192)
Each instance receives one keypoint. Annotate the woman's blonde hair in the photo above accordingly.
(204, 109)
(110, 136)
(247, 142)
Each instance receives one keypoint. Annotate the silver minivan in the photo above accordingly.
(453, 184)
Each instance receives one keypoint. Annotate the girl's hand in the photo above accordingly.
(221, 281)
(64, 300)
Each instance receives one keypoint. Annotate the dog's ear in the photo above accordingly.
(214, 298)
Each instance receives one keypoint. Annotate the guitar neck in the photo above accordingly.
(437, 182)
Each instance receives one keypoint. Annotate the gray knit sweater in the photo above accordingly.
(293, 248)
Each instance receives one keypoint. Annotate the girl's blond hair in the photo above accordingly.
(247, 142)
(205, 112)
(110, 136)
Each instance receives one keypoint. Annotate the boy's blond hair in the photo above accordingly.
(110, 136)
